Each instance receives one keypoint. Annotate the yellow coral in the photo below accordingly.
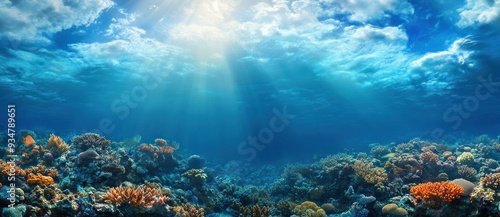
(196, 176)
(466, 158)
(56, 144)
(39, 179)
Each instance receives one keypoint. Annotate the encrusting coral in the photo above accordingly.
(39, 179)
(143, 196)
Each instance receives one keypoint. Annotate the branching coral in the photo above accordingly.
(90, 140)
(11, 168)
(56, 145)
(260, 212)
(434, 194)
(188, 210)
(143, 196)
(39, 179)
(370, 175)
(491, 180)
(161, 148)
(43, 170)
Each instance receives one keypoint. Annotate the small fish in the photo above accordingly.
(28, 140)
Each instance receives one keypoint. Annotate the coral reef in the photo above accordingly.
(142, 196)
(88, 175)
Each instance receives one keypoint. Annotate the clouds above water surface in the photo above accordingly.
(366, 46)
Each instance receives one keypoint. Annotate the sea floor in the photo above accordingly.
(88, 175)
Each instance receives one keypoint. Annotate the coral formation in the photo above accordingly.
(188, 210)
(39, 179)
(491, 180)
(56, 145)
(466, 158)
(142, 196)
(435, 193)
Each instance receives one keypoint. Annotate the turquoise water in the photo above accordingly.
(259, 82)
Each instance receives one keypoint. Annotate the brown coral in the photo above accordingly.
(429, 157)
(260, 212)
(491, 180)
(56, 145)
(39, 179)
(11, 168)
(188, 210)
(143, 196)
(370, 175)
(43, 170)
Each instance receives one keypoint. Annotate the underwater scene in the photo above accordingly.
(250, 108)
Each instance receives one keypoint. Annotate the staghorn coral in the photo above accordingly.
(188, 210)
(165, 150)
(143, 196)
(260, 212)
(434, 194)
(491, 180)
(56, 145)
(39, 179)
(466, 158)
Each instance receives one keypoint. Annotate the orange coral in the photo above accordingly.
(9, 168)
(155, 150)
(166, 150)
(43, 170)
(435, 193)
(144, 196)
(28, 140)
(39, 179)
(146, 147)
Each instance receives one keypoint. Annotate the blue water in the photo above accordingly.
(209, 75)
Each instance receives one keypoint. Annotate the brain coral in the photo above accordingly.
(466, 158)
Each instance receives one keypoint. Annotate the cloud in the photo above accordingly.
(369, 10)
(33, 20)
(440, 71)
(479, 12)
